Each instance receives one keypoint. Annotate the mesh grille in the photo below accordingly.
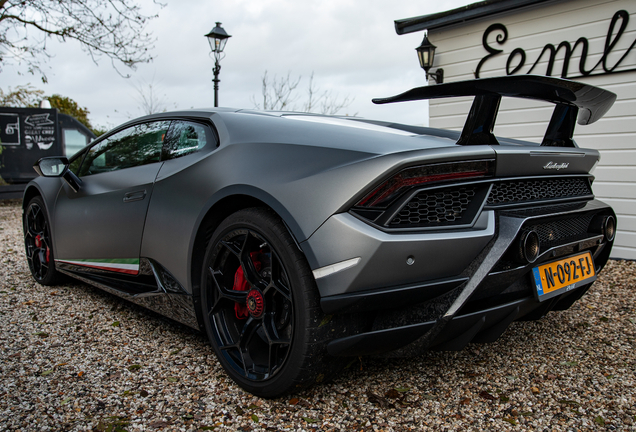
(553, 233)
(510, 192)
(435, 208)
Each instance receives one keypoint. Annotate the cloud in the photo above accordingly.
(350, 46)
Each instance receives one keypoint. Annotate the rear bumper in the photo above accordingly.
(384, 257)
(481, 326)
(481, 301)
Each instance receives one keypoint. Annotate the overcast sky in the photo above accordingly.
(350, 46)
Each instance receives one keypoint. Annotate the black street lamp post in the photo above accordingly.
(426, 55)
(217, 38)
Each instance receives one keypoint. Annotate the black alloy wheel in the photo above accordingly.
(253, 321)
(260, 305)
(37, 241)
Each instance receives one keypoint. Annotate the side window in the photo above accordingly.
(74, 141)
(138, 145)
(186, 137)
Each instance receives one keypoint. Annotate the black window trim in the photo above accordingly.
(206, 123)
(200, 120)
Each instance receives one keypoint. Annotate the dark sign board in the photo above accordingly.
(28, 134)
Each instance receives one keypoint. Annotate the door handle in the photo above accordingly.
(135, 196)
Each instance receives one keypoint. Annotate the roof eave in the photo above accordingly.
(455, 16)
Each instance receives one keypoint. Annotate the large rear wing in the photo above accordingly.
(571, 99)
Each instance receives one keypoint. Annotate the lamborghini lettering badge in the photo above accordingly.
(556, 166)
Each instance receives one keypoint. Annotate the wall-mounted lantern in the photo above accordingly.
(426, 55)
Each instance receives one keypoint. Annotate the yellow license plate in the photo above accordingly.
(564, 275)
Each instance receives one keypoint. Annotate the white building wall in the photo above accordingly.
(459, 51)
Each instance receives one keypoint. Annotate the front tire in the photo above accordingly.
(38, 244)
(261, 307)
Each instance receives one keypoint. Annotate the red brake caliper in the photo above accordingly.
(38, 244)
(240, 284)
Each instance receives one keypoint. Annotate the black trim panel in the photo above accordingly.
(459, 331)
(387, 298)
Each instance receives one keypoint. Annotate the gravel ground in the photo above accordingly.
(75, 358)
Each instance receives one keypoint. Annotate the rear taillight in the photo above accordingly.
(408, 178)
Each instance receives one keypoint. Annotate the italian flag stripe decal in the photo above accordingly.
(126, 265)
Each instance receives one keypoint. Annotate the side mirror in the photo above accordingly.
(57, 166)
(52, 166)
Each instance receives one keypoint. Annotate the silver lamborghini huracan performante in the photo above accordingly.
(296, 240)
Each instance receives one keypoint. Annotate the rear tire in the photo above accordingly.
(38, 244)
(261, 307)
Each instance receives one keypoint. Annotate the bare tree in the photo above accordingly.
(149, 97)
(282, 94)
(278, 94)
(324, 102)
(112, 28)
